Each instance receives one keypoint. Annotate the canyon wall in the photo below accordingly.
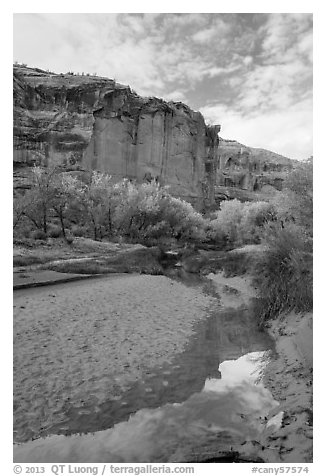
(84, 123)
(81, 122)
(248, 173)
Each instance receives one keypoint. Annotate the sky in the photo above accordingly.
(249, 72)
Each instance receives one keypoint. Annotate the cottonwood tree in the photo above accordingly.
(95, 199)
(136, 207)
(64, 191)
(19, 209)
(39, 198)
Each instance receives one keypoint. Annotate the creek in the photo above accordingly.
(196, 407)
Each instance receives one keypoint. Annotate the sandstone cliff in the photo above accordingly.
(85, 122)
(248, 173)
(82, 122)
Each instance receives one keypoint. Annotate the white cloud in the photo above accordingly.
(305, 46)
(204, 35)
(282, 30)
(261, 70)
(287, 131)
(130, 48)
(273, 85)
(175, 96)
(184, 19)
(134, 23)
(247, 60)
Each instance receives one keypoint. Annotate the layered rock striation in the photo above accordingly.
(82, 122)
(246, 172)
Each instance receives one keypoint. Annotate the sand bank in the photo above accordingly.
(289, 378)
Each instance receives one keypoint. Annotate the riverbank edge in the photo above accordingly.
(288, 376)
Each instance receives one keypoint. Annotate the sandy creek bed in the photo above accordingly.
(89, 354)
(84, 343)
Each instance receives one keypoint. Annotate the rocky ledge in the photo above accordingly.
(248, 173)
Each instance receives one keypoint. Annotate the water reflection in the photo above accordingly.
(229, 409)
(225, 335)
(247, 368)
(205, 400)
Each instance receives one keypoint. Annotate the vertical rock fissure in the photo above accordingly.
(95, 142)
(165, 142)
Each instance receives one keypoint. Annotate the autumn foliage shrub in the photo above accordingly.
(241, 222)
(100, 208)
(148, 213)
(284, 272)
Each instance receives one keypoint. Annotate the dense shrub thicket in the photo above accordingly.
(241, 222)
(284, 275)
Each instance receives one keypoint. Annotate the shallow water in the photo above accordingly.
(223, 336)
(204, 401)
(228, 410)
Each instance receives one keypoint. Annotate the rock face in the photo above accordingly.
(242, 170)
(82, 122)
